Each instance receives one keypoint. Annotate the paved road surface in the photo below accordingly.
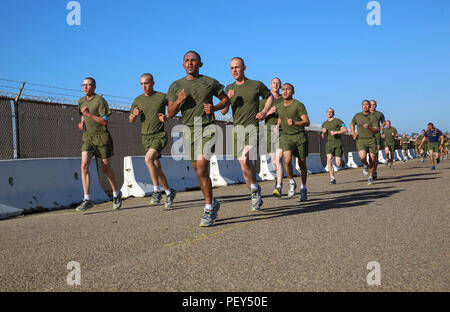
(325, 244)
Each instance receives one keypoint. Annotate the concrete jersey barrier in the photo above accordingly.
(353, 160)
(45, 183)
(137, 182)
(225, 172)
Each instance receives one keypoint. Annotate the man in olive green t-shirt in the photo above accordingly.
(273, 145)
(365, 138)
(151, 107)
(193, 96)
(389, 134)
(333, 128)
(381, 122)
(96, 141)
(404, 141)
(244, 97)
(293, 118)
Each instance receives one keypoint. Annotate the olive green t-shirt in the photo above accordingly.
(198, 91)
(245, 102)
(149, 108)
(380, 118)
(388, 133)
(293, 111)
(359, 120)
(333, 125)
(404, 141)
(272, 119)
(98, 107)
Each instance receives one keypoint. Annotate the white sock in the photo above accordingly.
(87, 197)
(167, 192)
(156, 189)
(254, 187)
(302, 186)
(208, 207)
(115, 194)
(332, 177)
(292, 181)
(278, 185)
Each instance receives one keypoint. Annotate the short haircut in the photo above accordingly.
(365, 101)
(430, 124)
(331, 109)
(289, 84)
(373, 101)
(240, 59)
(147, 75)
(388, 121)
(199, 58)
(91, 79)
(275, 78)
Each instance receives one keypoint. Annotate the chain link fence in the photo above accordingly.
(6, 129)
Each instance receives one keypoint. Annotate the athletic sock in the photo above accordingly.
(87, 197)
(156, 189)
(115, 194)
(168, 192)
(278, 186)
(208, 207)
(291, 181)
(332, 178)
(302, 186)
(254, 187)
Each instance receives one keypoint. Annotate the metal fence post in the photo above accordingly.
(15, 108)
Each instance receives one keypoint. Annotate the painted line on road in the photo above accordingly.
(201, 236)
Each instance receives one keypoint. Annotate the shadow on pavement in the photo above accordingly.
(347, 201)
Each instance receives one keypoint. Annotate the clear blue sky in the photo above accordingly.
(325, 48)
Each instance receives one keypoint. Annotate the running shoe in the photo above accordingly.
(370, 181)
(277, 192)
(210, 215)
(303, 194)
(156, 198)
(433, 168)
(333, 181)
(438, 160)
(375, 175)
(117, 201)
(257, 201)
(169, 199)
(366, 171)
(292, 187)
(85, 204)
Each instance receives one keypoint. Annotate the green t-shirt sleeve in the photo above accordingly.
(264, 92)
(171, 94)
(262, 103)
(217, 88)
(341, 123)
(323, 125)
(104, 110)
(302, 110)
(382, 118)
(354, 120)
(133, 106)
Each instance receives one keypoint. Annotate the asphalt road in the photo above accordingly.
(324, 244)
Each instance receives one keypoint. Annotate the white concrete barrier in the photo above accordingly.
(45, 183)
(267, 170)
(353, 160)
(398, 155)
(411, 153)
(313, 164)
(137, 182)
(225, 172)
(382, 156)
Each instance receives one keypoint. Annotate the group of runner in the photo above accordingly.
(251, 102)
